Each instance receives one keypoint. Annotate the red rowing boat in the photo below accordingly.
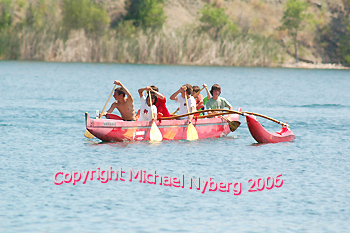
(261, 135)
(117, 130)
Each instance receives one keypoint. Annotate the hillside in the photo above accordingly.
(258, 42)
(259, 16)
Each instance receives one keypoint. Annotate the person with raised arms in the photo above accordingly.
(124, 103)
(160, 104)
(200, 101)
(186, 91)
(145, 110)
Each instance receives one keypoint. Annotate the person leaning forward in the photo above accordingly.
(124, 103)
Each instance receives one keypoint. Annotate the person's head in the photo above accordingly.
(154, 88)
(195, 89)
(154, 99)
(188, 90)
(118, 92)
(215, 90)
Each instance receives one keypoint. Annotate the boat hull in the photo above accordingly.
(112, 130)
(261, 135)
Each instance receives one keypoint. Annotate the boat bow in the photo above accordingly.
(261, 135)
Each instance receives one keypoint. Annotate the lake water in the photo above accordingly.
(42, 108)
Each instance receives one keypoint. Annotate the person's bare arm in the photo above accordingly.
(141, 90)
(127, 92)
(208, 92)
(110, 110)
(159, 95)
(174, 95)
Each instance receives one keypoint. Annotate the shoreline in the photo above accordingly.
(304, 65)
(300, 65)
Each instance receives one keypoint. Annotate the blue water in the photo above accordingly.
(42, 108)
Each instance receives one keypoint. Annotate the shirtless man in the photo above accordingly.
(125, 104)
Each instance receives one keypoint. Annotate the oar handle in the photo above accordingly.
(175, 111)
(150, 102)
(228, 121)
(188, 110)
(109, 98)
(195, 95)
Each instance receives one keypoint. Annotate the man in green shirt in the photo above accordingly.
(217, 102)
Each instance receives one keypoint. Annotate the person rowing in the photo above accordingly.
(186, 91)
(200, 101)
(217, 102)
(145, 110)
(124, 103)
(160, 104)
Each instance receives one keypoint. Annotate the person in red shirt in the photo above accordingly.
(162, 110)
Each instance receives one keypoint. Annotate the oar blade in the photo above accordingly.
(191, 132)
(234, 125)
(155, 134)
(87, 134)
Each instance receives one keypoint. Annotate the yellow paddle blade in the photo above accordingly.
(191, 133)
(155, 134)
(129, 134)
(170, 133)
(87, 134)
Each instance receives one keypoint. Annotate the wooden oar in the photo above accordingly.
(196, 94)
(175, 111)
(87, 134)
(155, 134)
(191, 130)
(232, 124)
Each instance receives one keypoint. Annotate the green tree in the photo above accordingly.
(85, 14)
(214, 19)
(344, 35)
(5, 14)
(145, 13)
(40, 15)
(294, 19)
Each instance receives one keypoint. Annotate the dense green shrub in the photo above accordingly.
(145, 13)
(214, 21)
(344, 42)
(5, 14)
(85, 14)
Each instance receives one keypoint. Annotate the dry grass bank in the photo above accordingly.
(166, 47)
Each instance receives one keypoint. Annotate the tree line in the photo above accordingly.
(83, 30)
